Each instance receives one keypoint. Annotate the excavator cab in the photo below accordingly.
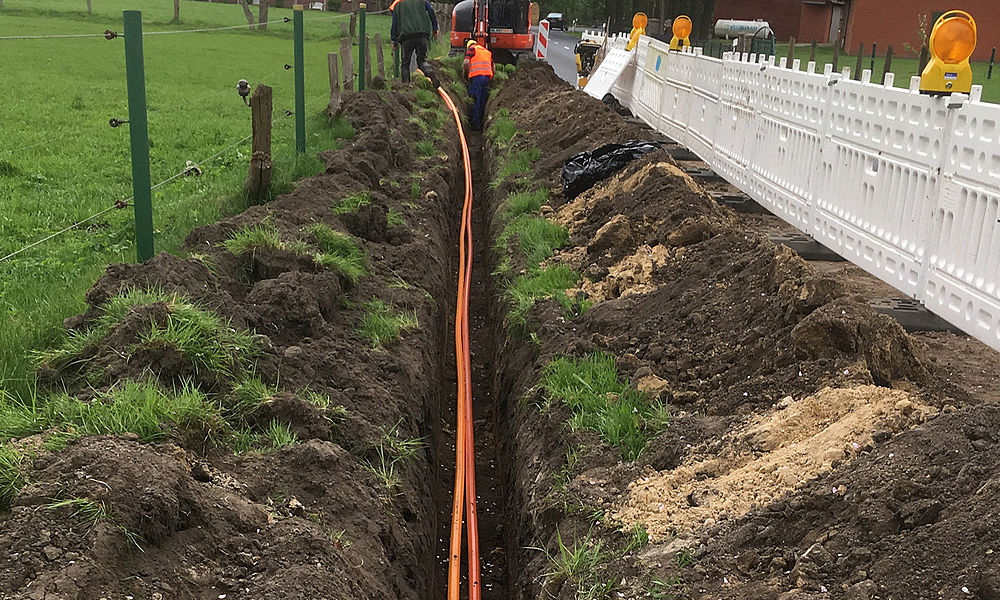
(503, 26)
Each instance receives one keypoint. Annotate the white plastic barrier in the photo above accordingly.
(905, 185)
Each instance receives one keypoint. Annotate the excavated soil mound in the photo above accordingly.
(814, 449)
(311, 520)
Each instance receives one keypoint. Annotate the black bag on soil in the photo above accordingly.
(582, 171)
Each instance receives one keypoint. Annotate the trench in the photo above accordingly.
(491, 488)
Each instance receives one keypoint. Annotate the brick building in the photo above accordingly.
(896, 22)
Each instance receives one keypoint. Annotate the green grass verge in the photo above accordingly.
(382, 324)
(590, 387)
(12, 475)
(352, 203)
(60, 162)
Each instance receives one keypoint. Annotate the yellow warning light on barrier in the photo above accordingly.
(682, 32)
(952, 41)
(639, 22)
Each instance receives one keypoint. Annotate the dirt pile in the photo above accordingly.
(787, 396)
(345, 508)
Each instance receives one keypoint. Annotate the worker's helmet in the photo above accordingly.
(469, 42)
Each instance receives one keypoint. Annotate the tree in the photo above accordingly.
(262, 15)
(177, 11)
(247, 13)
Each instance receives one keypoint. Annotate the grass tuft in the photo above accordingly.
(391, 452)
(524, 202)
(552, 282)
(518, 163)
(340, 252)
(352, 203)
(254, 238)
(583, 564)
(279, 435)
(381, 324)
(590, 387)
(12, 475)
(537, 238)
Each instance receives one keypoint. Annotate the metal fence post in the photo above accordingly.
(300, 84)
(362, 47)
(135, 76)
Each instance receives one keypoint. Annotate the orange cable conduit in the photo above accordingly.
(465, 457)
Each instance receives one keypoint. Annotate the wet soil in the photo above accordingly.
(815, 448)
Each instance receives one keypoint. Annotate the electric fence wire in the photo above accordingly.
(120, 204)
(178, 31)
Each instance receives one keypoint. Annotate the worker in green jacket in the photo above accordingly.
(413, 24)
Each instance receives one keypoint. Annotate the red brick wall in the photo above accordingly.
(782, 15)
(896, 22)
(815, 23)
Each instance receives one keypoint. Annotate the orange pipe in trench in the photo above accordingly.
(465, 457)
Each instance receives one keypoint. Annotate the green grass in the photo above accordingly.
(63, 163)
(89, 513)
(280, 435)
(583, 564)
(590, 387)
(552, 282)
(133, 407)
(247, 397)
(394, 218)
(206, 340)
(524, 202)
(250, 239)
(392, 451)
(12, 475)
(425, 148)
(382, 324)
(339, 252)
(903, 66)
(352, 203)
(502, 129)
(537, 238)
(518, 163)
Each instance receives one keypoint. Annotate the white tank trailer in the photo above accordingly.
(734, 28)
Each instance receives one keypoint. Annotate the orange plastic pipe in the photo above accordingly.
(465, 465)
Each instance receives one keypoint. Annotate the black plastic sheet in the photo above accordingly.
(582, 171)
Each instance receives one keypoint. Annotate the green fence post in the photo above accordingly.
(362, 47)
(300, 84)
(135, 76)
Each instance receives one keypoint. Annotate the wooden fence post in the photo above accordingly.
(887, 68)
(791, 51)
(334, 107)
(861, 56)
(343, 30)
(380, 56)
(836, 56)
(812, 52)
(347, 58)
(90, 9)
(259, 176)
(354, 23)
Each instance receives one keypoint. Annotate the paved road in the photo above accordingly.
(561, 55)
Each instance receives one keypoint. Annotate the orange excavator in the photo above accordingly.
(503, 26)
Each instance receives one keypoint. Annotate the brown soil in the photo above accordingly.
(211, 524)
(816, 449)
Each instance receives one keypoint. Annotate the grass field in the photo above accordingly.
(903, 66)
(60, 162)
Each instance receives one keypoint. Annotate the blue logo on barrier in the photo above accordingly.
(658, 59)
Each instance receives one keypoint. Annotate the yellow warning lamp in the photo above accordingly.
(639, 22)
(952, 41)
(682, 32)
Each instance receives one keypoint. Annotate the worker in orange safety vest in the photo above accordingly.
(479, 71)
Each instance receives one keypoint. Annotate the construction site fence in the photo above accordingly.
(903, 184)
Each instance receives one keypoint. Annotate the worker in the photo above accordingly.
(413, 24)
(479, 71)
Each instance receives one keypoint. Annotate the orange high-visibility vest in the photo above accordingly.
(481, 63)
